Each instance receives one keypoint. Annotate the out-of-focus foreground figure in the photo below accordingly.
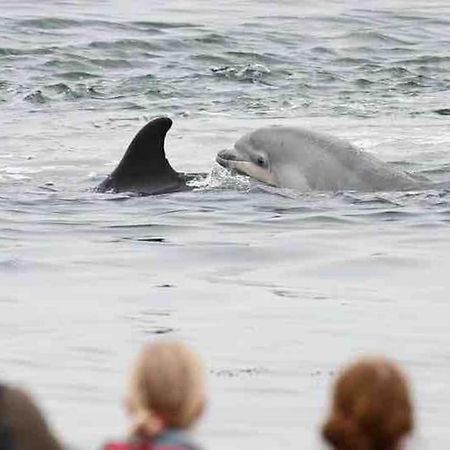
(22, 425)
(371, 407)
(166, 397)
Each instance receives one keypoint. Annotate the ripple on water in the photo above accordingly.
(77, 76)
(251, 72)
(151, 26)
(36, 97)
(50, 23)
(126, 44)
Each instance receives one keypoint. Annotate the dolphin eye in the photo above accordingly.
(260, 160)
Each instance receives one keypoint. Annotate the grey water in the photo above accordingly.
(275, 289)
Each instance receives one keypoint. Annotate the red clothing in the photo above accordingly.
(171, 439)
(141, 446)
(128, 446)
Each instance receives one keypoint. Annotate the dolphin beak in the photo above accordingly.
(226, 158)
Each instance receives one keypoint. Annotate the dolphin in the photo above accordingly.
(304, 160)
(144, 169)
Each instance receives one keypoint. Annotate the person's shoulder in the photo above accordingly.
(175, 440)
(177, 446)
(128, 446)
(147, 446)
(116, 446)
(171, 440)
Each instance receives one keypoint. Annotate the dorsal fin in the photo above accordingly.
(144, 168)
(145, 155)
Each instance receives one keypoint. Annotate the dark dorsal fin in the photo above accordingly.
(144, 168)
(145, 154)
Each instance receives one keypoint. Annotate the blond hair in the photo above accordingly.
(371, 408)
(167, 388)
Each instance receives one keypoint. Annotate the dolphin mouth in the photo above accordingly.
(228, 159)
(231, 161)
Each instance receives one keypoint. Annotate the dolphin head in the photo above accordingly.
(250, 156)
(269, 155)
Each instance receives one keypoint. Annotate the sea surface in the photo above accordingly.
(275, 289)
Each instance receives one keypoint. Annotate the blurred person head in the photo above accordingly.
(371, 407)
(167, 389)
(22, 425)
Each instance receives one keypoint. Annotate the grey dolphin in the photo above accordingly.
(144, 169)
(305, 160)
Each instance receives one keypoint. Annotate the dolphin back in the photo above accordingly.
(328, 163)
